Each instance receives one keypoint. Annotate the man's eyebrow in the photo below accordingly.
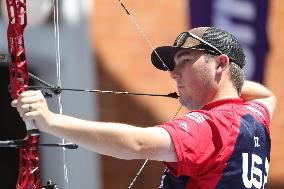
(183, 53)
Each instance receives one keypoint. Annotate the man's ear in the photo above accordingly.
(223, 62)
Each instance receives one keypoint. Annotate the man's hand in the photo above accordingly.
(257, 92)
(32, 106)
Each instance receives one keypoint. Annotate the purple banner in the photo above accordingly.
(246, 19)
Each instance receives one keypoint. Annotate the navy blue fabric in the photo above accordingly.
(250, 128)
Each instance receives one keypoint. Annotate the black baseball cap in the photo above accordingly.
(212, 40)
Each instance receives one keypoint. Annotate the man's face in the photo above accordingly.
(194, 75)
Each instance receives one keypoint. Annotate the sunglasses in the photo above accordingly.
(182, 38)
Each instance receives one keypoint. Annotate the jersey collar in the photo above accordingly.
(223, 101)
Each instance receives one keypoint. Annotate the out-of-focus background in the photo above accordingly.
(101, 48)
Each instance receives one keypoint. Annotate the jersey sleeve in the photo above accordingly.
(193, 142)
(260, 111)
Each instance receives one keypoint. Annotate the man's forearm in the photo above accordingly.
(115, 139)
(112, 139)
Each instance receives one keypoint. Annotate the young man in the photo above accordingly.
(223, 142)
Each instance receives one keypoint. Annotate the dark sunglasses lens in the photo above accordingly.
(180, 40)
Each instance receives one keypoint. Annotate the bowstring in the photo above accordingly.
(133, 20)
(59, 82)
(142, 33)
(146, 161)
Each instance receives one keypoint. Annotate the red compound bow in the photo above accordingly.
(29, 166)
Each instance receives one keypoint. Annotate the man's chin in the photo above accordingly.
(184, 103)
(190, 105)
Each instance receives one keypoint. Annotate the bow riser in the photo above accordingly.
(15, 34)
(29, 167)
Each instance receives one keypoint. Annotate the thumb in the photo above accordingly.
(14, 103)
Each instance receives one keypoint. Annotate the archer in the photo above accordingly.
(213, 145)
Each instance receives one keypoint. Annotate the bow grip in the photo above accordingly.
(31, 128)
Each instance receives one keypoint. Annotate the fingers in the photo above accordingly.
(26, 108)
(28, 97)
(23, 109)
(30, 93)
(14, 103)
(30, 116)
(28, 101)
(32, 106)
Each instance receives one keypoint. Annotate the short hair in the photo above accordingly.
(237, 76)
(236, 73)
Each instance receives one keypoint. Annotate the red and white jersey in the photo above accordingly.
(226, 144)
